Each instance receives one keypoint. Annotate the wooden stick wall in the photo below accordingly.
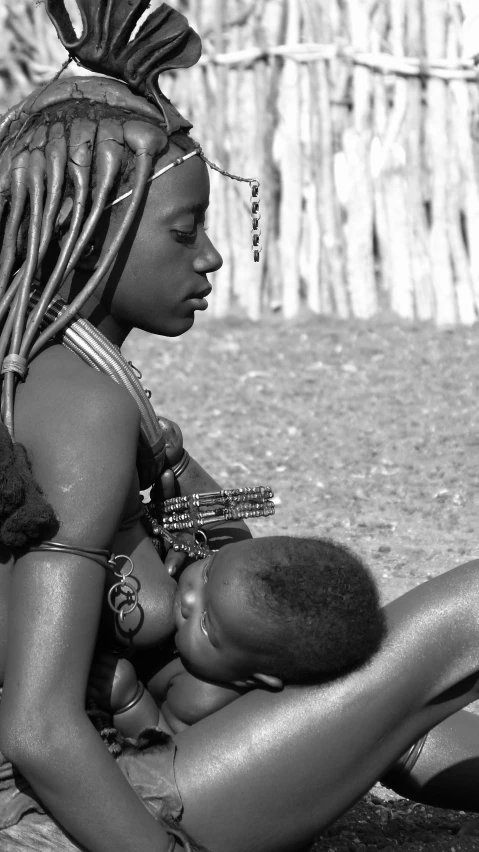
(360, 119)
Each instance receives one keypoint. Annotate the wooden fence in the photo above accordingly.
(359, 118)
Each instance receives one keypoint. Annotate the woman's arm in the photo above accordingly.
(113, 686)
(191, 478)
(182, 698)
(84, 460)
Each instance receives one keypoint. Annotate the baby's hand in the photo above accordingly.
(113, 682)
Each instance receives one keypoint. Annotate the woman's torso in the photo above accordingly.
(152, 620)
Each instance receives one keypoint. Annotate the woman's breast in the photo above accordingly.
(149, 594)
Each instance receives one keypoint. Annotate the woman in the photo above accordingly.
(269, 771)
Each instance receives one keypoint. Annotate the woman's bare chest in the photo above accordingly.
(139, 592)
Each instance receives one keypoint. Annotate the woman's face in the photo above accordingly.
(160, 277)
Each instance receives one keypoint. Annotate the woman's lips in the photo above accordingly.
(199, 300)
(199, 304)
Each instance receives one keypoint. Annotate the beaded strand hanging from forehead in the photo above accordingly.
(255, 217)
(255, 214)
(254, 199)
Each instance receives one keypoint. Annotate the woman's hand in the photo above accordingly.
(113, 682)
(173, 439)
(164, 489)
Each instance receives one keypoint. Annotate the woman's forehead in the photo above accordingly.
(182, 190)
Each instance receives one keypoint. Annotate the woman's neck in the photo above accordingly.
(95, 312)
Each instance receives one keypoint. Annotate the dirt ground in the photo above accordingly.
(368, 433)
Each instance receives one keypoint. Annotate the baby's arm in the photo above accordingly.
(185, 699)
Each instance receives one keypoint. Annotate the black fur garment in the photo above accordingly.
(25, 514)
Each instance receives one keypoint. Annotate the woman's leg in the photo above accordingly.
(270, 771)
(443, 768)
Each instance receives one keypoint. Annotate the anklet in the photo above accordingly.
(134, 701)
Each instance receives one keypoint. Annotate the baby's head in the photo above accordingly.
(277, 610)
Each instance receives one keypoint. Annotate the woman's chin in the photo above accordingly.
(174, 328)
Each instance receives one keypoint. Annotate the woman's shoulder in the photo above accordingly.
(61, 390)
(80, 430)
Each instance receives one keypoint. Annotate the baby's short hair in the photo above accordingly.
(319, 606)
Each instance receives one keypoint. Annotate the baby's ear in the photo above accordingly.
(269, 680)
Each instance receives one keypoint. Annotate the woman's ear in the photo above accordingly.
(89, 257)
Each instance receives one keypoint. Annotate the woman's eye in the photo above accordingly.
(203, 623)
(187, 237)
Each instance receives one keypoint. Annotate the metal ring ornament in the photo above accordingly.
(122, 574)
(122, 610)
(125, 586)
(203, 541)
(136, 371)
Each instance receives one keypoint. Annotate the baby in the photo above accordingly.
(264, 612)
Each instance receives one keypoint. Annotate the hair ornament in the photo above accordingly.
(164, 42)
(15, 364)
(177, 162)
(37, 152)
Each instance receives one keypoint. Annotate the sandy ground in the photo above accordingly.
(368, 433)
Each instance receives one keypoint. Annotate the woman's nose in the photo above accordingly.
(209, 258)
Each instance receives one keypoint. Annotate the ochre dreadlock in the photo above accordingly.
(77, 133)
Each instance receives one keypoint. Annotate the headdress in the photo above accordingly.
(164, 42)
(36, 153)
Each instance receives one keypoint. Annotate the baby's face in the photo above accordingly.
(217, 633)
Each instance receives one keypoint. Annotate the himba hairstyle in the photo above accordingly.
(73, 138)
(319, 608)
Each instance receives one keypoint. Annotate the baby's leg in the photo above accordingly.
(270, 771)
